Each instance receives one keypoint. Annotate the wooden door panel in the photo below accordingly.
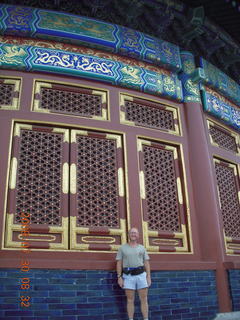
(38, 188)
(98, 211)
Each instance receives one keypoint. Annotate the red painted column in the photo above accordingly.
(205, 198)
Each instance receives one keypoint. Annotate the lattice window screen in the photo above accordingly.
(9, 93)
(71, 100)
(222, 138)
(161, 189)
(97, 182)
(145, 113)
(98, 195)
(228, 192)
(162, 197)
(6, 94)
(36, 183)
(39, 187)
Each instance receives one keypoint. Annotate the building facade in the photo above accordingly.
(104, 128)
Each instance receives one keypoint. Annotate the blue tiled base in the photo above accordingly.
(234, 279)
(95, 295)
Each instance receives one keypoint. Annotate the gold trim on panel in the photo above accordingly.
(37, 108)
(234, 246)
(150, 139)
(165, 242)
(115, 137)
(125, 152)
(218, 194)
(175, 109)
(182, 235)
(228, 240)
(74, 231)
(104, 93)
(101, 239)
(74, 134)
(73, 178)
(7, 184)
(65, 133)
(63, 230)
(232, 133)
(145, 233)
(123, 97)
(17, 82)
(234, 167)
(34, 235)
(9, 225)
(179, 189)
(104, 114)
(141, 142)
(126, 122)
(13, 173)
(152, 233)
(123, 227)
(15, 103)
(139, 145)
(174, 150)
(39, 85)
(120, 182)
(102, 117)
(115, 134)
(142, 185)
(73, 127)
(19, 126)
(73, 238)
(81, 230)
(186, 234)
(216, 160)
(65, 178)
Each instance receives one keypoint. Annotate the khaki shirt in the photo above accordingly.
(132, 257)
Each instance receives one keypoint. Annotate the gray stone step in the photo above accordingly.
(228, 316)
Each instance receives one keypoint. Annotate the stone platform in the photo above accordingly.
(228, 316)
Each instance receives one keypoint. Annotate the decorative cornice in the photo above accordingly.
(68, 28)
(89, 48)
(31, 58)
(221, 108)
(220, 81)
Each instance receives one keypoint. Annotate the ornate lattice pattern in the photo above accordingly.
(223, 139)
(152, 117)
(71, 102)
(6, 94)
(228, 199)
(39, 177)
(161, 189)
(97, 182)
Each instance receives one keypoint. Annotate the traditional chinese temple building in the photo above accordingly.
(116, 114)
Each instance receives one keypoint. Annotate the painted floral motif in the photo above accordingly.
(77, 25)
(221, 82)
(50, 25)
(32, 58)
(219, 107)
(13, 55)
(131, 74)
(73, 61)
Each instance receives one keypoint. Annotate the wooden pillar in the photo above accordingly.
(206, 201)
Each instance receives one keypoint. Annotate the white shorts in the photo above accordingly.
(135, 282)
